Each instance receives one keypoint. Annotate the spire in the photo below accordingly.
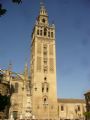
(43, 9)
(9, 72)
(26, 71)
(42, 4)
(42, 18)
(10, 67)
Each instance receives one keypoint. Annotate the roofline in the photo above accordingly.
(70, 100)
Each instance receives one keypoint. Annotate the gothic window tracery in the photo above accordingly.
(45, 87)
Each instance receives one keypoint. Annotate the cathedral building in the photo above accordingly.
(35, 96)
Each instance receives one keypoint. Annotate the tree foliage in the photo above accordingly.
(87, 114)
(4, 101)
(3, 10)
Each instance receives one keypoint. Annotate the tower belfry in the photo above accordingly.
(43, 68)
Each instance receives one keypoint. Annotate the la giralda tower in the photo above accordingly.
(43, 68)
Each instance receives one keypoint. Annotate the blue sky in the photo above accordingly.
(72, 21)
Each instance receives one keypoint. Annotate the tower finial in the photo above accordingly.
(42, 3)
(42, 8)
(26, 71)
(10, 66)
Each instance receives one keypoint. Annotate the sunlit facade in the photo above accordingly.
(35, 96)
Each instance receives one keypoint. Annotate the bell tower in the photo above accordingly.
(43, 68)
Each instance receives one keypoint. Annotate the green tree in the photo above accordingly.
(3, 10)
(4, 101)
(87, 114)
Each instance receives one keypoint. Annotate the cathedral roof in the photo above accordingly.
(64, 100)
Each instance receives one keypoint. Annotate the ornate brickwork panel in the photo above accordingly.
(51, 49)
(51, 65)
(39, 45)
(39, 64)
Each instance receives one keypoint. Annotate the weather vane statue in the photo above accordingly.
(41, 2)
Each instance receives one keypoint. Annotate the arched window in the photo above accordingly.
(78, 107)
(45, 100)
(41, 32)
(45, 31)
(49, 34)
(52, 34)
(45, 78)
(62, 108)
(45, 86)
(38, 32)
(47, 89)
